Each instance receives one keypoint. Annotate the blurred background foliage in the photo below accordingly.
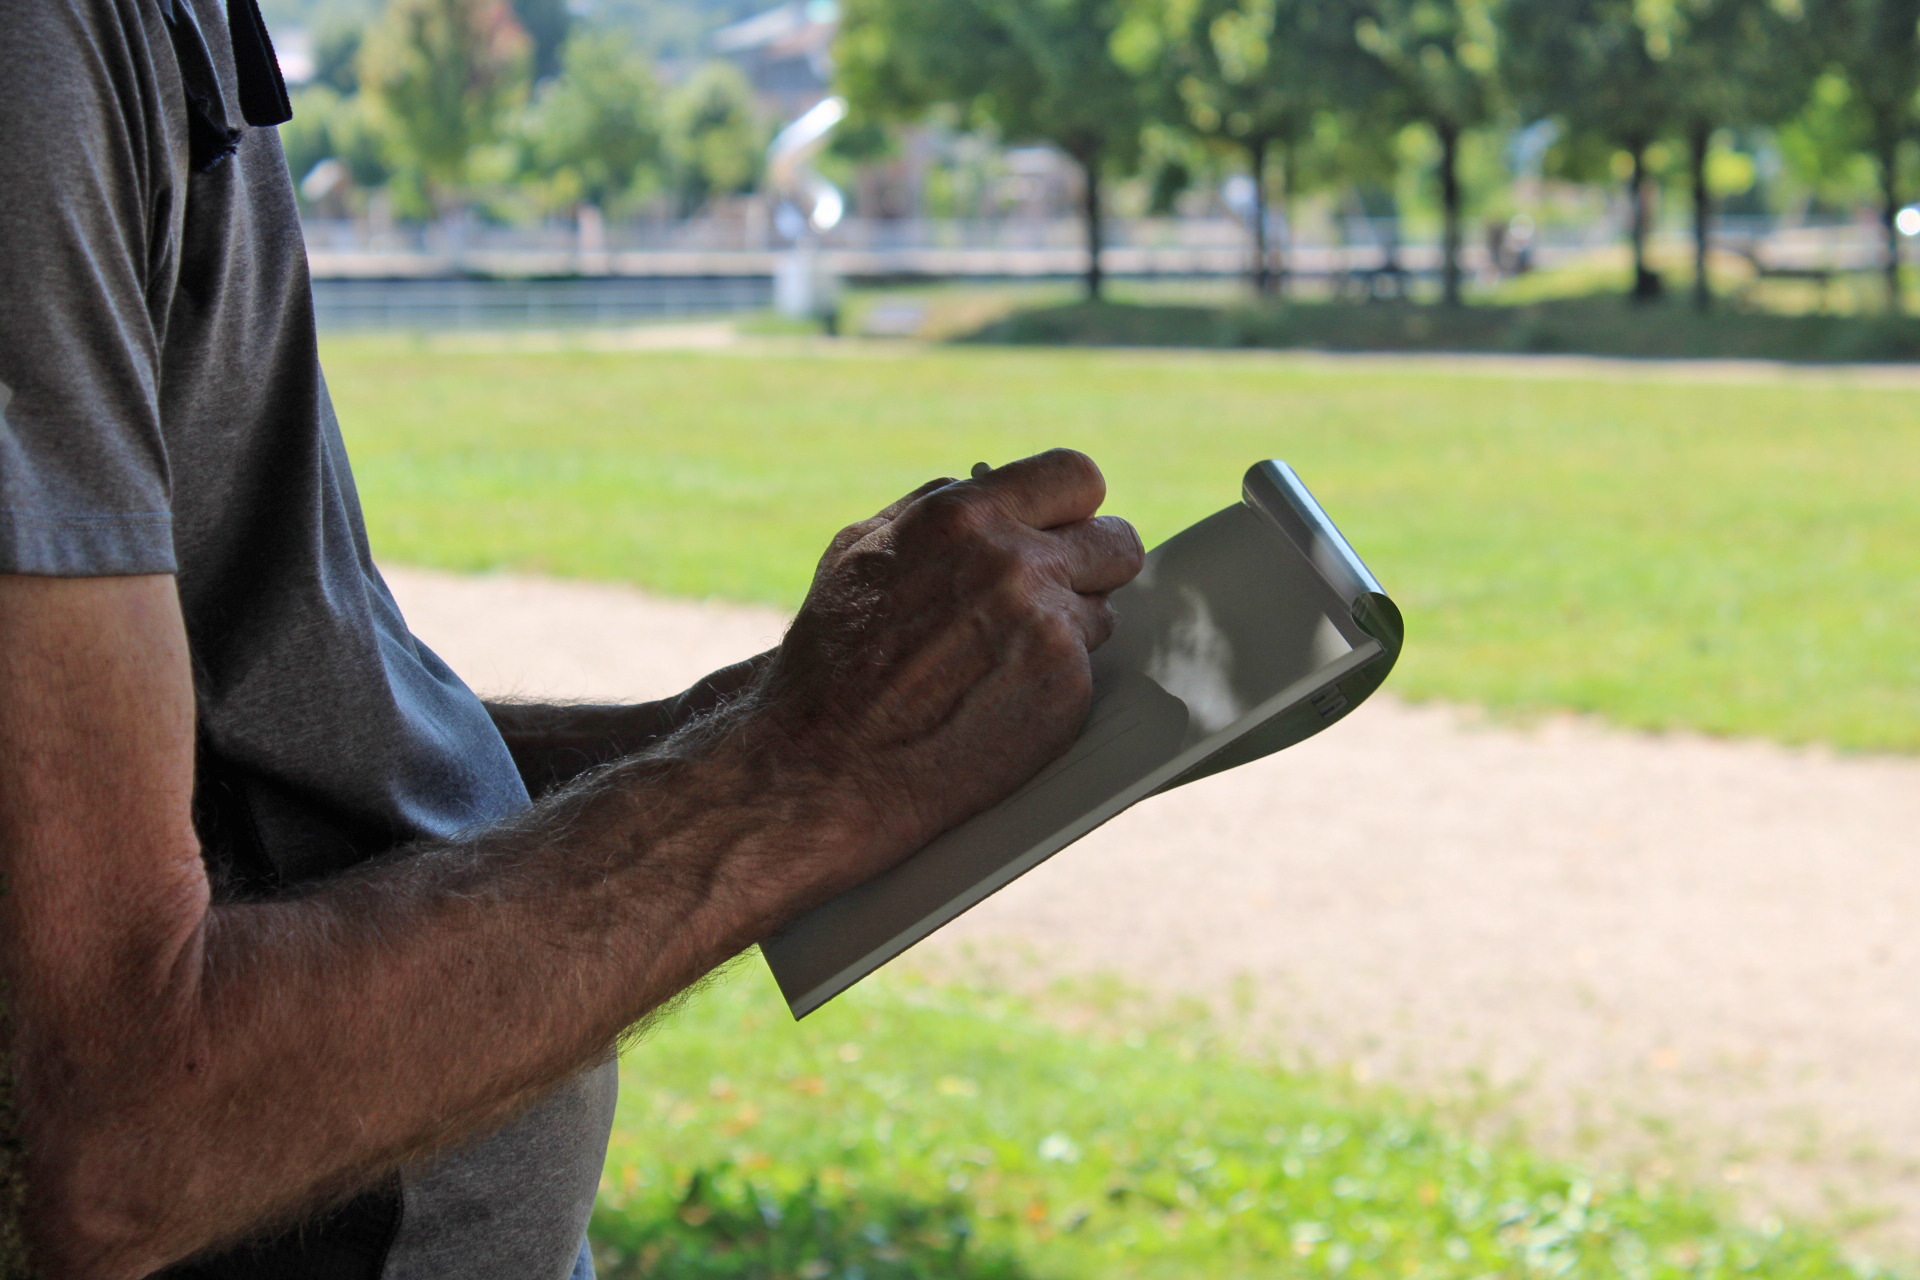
(1436, 113)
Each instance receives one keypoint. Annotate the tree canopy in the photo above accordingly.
(1255, 76)
(1877, 44)
(1732, 63)
(525, 107)
(1441, 63)
(595, 129)
(444, 76)
(1602, 68)
(1030, 70)
(716, 143)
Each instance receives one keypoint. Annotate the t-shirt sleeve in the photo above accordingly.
(83, 469)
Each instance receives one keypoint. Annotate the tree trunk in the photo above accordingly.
(1090, 164)
(1257, 162)
(1889, 157)
(1646, 285)
(1700, 139)
(1286, 221)
(1450, 208)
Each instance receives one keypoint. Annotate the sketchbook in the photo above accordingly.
(1249, 632)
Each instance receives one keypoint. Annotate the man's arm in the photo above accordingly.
(554, 743)
(191, 1071)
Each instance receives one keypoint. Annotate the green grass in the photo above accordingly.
(1741, 559)
(915, 1131)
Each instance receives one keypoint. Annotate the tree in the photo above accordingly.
(1876, 44)
(596, 127)
(1032, 70)
(443, 76)
(336, 55)
(1594, 65)
(1249, 75)
(328, 126)
(547, 23)
(1441, 57)
(1731, 62)
(715, 141)
(1824, 144)
(307, 139)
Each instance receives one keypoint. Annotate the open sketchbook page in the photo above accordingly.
(1227, 626)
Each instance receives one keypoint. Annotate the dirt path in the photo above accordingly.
(1688, 954)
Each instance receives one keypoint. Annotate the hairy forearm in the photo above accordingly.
(304, 1045)
(553, 743)
(190, 1071)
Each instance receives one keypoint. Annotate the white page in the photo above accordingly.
(1224, 616)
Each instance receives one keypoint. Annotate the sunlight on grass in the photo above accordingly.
(1736, 558)
(909, 1130)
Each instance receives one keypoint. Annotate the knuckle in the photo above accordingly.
(853, 533)
(1065, 644)
(1008, 578)
(1008, 586)
(1055, 637)
(956, 513)
(1010, 565)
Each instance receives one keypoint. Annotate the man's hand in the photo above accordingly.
(190, 1070)
(940, 659)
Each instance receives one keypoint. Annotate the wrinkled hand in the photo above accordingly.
(940, 659)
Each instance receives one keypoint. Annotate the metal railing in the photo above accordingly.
(742, 242)
(345, 305)
(470, 276)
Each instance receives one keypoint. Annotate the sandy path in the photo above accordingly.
(1681, 951)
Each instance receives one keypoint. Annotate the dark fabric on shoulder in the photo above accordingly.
(263, 94)
(211, 138)
(348, 1243)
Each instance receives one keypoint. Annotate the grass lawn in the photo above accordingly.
(912, 1131)
(1738, 558)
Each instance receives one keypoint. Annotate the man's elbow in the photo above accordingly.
(89, 1207)
(107, 1089)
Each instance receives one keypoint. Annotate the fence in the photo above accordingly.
(439, 304)
(465, 275)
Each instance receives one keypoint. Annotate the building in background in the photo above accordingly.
(786, 53)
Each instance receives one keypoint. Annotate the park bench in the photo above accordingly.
(1821, 275)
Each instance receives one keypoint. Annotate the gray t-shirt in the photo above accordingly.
(162, 411)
